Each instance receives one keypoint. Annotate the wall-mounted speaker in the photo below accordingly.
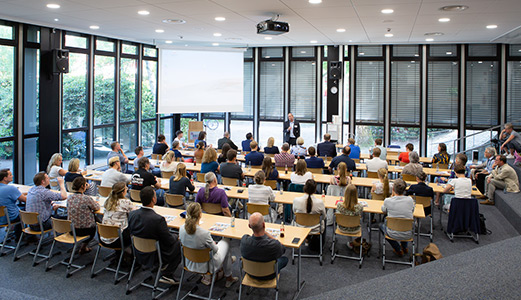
(335, 70)
(60, 61)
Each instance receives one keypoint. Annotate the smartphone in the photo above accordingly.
(227, 188)
(183, 215)
(240, 191)
(295, 240)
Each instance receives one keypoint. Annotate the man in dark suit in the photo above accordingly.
(146, 223)
(421, 189)
(351, 165)
(326, 147)
(291, 130)
(226, 139)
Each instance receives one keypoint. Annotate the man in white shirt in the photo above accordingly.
(373, 165)
(113, 175)
(383, 150)
(291, 130)
(511, 140)
(178, 137)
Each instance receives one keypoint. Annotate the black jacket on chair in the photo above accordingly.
(296, 130)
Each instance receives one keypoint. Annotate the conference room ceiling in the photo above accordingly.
(363, 21)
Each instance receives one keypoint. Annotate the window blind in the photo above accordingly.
(482, 93)
(442, 96)
(483, 50)
(247, 113)
(405, 92)
(514, 92)
(406, 51)
(303, 90)
(271, 93)
(370, 91)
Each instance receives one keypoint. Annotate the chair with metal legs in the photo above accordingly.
(398, 224)
(259, 269)
(30, 218)
(8, 229)
(110, 232)
(346, 221)
(197, 256)
(309, 220)
(426, 202)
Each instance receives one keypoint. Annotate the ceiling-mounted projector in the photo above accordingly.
(272, 27)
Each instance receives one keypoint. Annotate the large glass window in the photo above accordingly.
(103, 137)
(403, 135)
(128, 137)
(307, 132)
(128, 81)
(31, 159)
(303, 90)
(31, 90)
(74, 145)
(365, 136)
(271, 94)
(370, 91)
(442, 93)
(75, 92)
(166, 128)
(239, 129)
(271, 129)
(482, 93)
(6, 155)
(405, 92)
(148, 102)
(440, 135)
(514, 92)
(7, 85)
(214, 127)
(148, 134)
(104, 90)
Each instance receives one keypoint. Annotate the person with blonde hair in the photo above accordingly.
(271, 148)
(209, 161)
(344, 176)
(299, 150)
(75, 172)
(382, 186)
(301, 174)
(179, 183)
(54, 169)
(350, 207)
(210, 193)
(193, 236)
(168, 164)
(117, 207)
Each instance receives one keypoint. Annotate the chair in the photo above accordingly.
(104, 191)
(212, 208)
(346, 221)
(110, 232)
(197, 256)
(408, 177)
(259, 269)
(200, 177)
(69, 187)
(229, 181)
(271, 183)
(27, 219)
(8, 228)
(146, 246)
(263, 209)
(426, 202)
(156, 156)
(269, 154)
(64, 232)
(309, 220)
(54, 182)
(356, 160)
(375, 196)
(463, 217)
(175, 200)
(372, 174)
(324, 158)
(199, 160)
(134, 195)
(402, 164)
(399, 224)
(315, 170)
(167, 174)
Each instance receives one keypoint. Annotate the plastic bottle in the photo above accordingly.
(249, 166)
(286, 169)
(437, 168)
(232, 222)
(282, 229)
(323, 195)
(280, 189)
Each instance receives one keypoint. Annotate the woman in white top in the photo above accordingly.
(309, 204)
(298, 150)
(168, 164)
(54, 169)
(193, 236)
(382, 186)
(117, 208)
(301, 174)
(259, 193)
(461, 185)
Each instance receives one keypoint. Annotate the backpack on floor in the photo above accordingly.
(483, 227)
(430, 253)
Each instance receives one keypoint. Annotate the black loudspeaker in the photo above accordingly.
(335, 70)
(60, 61)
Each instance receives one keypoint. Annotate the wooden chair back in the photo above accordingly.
(324, 158)
(144, 245)
(402, 163)
(200, 177)
(399, 224)
(174, 200)
(54, 182)
(108, 231)
(263, 209)
(212, 208)
(270, 155)
(372, 174)
(167, 174)
(197, 255)
(375, 196)
(199, 160)
(134, 195)
(425, 201)
(441, 166)
(271, 183)
(347, 221)
(315, 170)
(408, 177)
(2, 212)
(69, 187)
(104, 191)
(156, 156)
(61, 226)
(29, 218)
(229, 181)
(258, 269)
(307, 220)
(356, 160)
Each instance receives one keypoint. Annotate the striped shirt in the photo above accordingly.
(260, 194)
(284, 159)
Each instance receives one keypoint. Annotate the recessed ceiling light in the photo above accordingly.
(389, 35)
(491, 26)
(53, 5)
(168, 42)
(174, 21)
(268, 38)
(217, 34)
(95, 27)
(160, 30)
(454, 8)
(220, 19)
(315, 1)
(443, 20)
(215, 44)
(56, 20)
(387, 11)
(313, 42)
(434, 34)
(340, 30)
(429, 39)
(143, 12)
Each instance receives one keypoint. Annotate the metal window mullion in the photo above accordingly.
(90, 103)
(138, 89)
(117, 86)
(286, 83)
(387, 96)
(318, 93)
(503, 88)
(462, 100)
(18, 107)
(158, 116)
(256, 108)
(352, 95)
(423, 104)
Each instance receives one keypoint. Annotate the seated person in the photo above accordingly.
(313, 161)
(259, 193)
(299, 150)
(421, 189)
(140, 154)
(113, 175)
(301, 174)
(351, 165)
(212, 194)
(9, 196)
(222, 157)
(231, 169)
(271, 149)
(442, 157)
(199, 151)
(226, 140)
(285, 159)
(480, 171)
(179, 183)
(118, 152)
(168, 164)
(161, 146)
(80, 210)
(404, 156)
(460, 160)
(209, 162)
(511, 140)
(326, 148)
(117, 207)
(383, 151)
(382, 186)
(309, 204)
(503, 177)
(40, 199)
(254, 158)
(246, 143)
(355, 150)
(178, 138)
(461, 185)
(262, 246)
(54, 168)
(413, 167)
(350, 207)
(176, 147)
(398, 206)
(146, 223)
(75, 172)
(343, 178)
(376, 163)
(193, 236)
(270, 172)
(201, 138)
(142, 178)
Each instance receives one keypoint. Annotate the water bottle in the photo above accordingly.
(286, 169)
(280, 189)
(437, 168)
(249, 166)
(323, 195)
(326, 158)
(232, 222)
(282, 229)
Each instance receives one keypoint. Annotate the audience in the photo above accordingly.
(382, 186)
(231, 169)
(209, 161)
(179, 183)
(309, 204)
(259, 193)
(511, 140)
(298, 150)
(146, 223)
(326, 148)
(9, 196)
(54, 168)
(175, 148)
(271, 149)
(212, 194)
(178, 138)
(40, 199)
(350, 207)
(398, 206)
(301, 174)
(461, 185)
(75, 172)
(413, 167)
(168, 164)
(117, 208)
(140, 154)
(404, 156)
(421, 189)
(383, 150)
(270, 172)
(313, 161)
(442, 157)
(284, 159)
(343, 178)
(141, 178)
(376, 163)
(113, 175)
(460, 160)
(479, 172)
(351, 165)
(246, 143)
(503, 177)
(199, 151)
(161, 146)
(118, 152)
(226, 140)
(201, 138)
(355, 150)
(224, 152)
(80, 210)
(254, 158)
(193, 236)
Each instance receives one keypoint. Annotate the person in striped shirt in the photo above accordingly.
(284, 159)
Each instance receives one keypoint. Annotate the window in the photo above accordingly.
(239, 129)
(440, 135)
(443, 50)
(31, 159)
(75, 92)
(370, 91)
(346, 92)
(365, 136)
(247, 112)
(270, 129)
(486, 50)
(31, 90)
(271, 94)
(403, 135)
(6, 155)
(128, 82)
(128, 49)
(482, 93)
(74, 145)
(75, 41)
(405, 92)
(307, 132)
(104, 89)
(166, 128)
(273, 52)
(103, 45)
(370, 51)
(514, 92)
(406, 51)
(324, 90)
(214, 127)
(148, 134)
(150, 52)
(103, 137)
(442, 95)
(6, 32)
(7, 84)
(303, 52)
(128, 137)
(303, 90)
(148, 102)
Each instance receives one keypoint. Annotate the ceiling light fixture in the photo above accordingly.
(429, 39)
(491, 26)
(143, 12)
(313, 42)
(434, 34)
(160, 30)
(53, 5)
(215, 44)
(443, 20)
(95, 27)
(217, 34)
(56, 20)
(220, 19)
(174, 21)
(389, 34)
(268, 38)
(341, 30)
(315, 1)
(168, 42)
(387, 11)
(454, 8)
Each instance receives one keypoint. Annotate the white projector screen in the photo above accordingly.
(200, 81)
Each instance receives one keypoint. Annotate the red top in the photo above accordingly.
(404, 157)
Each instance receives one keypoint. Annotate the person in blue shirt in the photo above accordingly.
(313, 161)
(177, 154)
(209, 162)
(254, 158)
(200, 138)
(355, 150)
(9, 195)
(246, 143)
(351, 165)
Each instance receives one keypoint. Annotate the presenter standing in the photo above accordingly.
(291, 130)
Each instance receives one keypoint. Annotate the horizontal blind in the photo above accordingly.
(480, 50)
(405, 92)
(482, 93)
(406, 51)
(370, 91)
(514, 92)
(303, 90)
(271, 90)
(247, 112)
(442, 96)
